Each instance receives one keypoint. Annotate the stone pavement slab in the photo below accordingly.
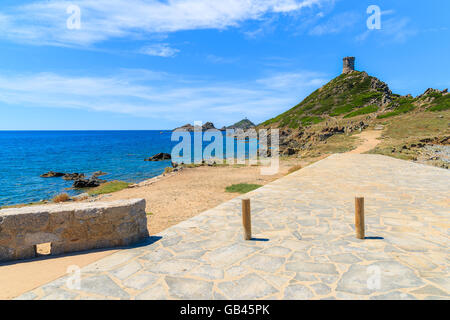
(304, 246)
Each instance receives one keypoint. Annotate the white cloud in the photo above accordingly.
(44, 22)
(220, 60)
(160, 50)
(285, 81)
(336, 24)
(159, 95)
(397, 30)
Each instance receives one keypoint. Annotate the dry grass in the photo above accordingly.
(81, 198)
(168, 170)
(63, 197)
(294, 168)
(242, 187)
(411, 128)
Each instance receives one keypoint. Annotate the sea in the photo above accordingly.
(25, 155)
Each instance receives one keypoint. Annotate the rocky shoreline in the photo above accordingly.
(79, 180)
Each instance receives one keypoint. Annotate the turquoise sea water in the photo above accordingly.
(25, 155)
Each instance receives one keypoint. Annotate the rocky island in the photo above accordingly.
(244, 124)
(190, 128)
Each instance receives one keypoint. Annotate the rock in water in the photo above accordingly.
(98, 174)
(190, 128)
(82, 196)
(73, 176)
(52, 174)
(159, 157)
(87, 183)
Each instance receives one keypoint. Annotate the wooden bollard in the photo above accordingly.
(359, 217)
(246, 219)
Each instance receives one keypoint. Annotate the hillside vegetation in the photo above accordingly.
(414, 128)
(354, 94)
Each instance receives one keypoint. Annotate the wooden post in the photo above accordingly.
(359, 217)
(246, 219)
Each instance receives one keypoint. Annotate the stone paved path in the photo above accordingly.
(304, 246)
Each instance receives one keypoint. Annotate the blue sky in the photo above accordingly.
(149, 64)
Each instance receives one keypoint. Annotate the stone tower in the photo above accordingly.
(349, 64)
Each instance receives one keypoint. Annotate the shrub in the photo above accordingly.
(441, 103)
(341, 110)
(360, 111)
(108, 187)
(168, 170)
(242, 187)
(63, 197)
(310, 120)
(294, 168)
(400, 110)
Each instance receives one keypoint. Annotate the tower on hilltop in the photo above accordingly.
(349, 64)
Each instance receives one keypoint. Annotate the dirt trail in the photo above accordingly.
(370, 141)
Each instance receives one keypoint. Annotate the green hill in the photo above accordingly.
(329, 119)
(353, 94)
(244, 124)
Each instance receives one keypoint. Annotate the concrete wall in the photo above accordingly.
(71, 227)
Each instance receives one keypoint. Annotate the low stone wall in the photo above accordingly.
(71, 227)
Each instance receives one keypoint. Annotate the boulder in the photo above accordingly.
(52, 174)
(73, 176)
(429, 91)
(325, 136)
(98, 174)
(289, 152)
(160, 157)
(87, 183)
(82, 196)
